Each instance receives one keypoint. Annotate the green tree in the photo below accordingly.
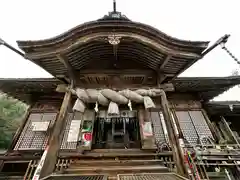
(11, 113)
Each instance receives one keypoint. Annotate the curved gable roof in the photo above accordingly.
(88, 44)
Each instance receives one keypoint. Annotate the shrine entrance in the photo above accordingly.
(116, 132)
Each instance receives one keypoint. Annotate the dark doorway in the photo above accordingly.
(116, 133)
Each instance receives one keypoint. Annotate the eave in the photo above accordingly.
(25, 89)
(222, 108)
(87, 47)
(206, 88)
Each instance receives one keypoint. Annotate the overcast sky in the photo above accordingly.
(185, 19)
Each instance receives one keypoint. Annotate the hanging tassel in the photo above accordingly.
(130, 105)
(79, 106)
(113, 108)
(231, 107)
(148, 102)
(96, 107)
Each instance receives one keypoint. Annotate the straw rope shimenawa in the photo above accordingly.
(112, 98)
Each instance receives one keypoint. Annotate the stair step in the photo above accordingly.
(112, 153)
(88, 155)
(117, 162)
(148, 176)
(12, 177)
(117, 169)
(122, 150)
(75, 176)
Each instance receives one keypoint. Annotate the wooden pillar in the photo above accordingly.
(1, 165)
(229, 130)
(176, 149)
(55, 139)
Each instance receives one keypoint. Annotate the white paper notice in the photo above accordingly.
(147, 129)
(40, 126)
(74, 131)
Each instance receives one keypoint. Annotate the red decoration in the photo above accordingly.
(88, 136)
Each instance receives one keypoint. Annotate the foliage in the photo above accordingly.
(11, 113)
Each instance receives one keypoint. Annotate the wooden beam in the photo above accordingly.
(166, 87)
(63, 78)
(162, 77)
(161, 67)
(210, 125)
(230, 132)
(145, 80)
(176, 149)
(127, 72)
(19, 158)
(55, 139)
(70, 69)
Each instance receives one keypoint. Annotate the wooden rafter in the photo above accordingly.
(70, 69)
(104, 72)
(168, 57)
(162, 76)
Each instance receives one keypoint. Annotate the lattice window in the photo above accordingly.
(65, 144)
(159, 127)
(35, 140)
(194, 126)
(85, 121)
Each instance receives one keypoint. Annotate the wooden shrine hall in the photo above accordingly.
(116, 108)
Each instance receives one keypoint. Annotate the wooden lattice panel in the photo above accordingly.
(157, 119)
(78, 177)
(201, 125)
(153, 176)
(33, 140)
(193, 126)
(65, 144)
(187, 127)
